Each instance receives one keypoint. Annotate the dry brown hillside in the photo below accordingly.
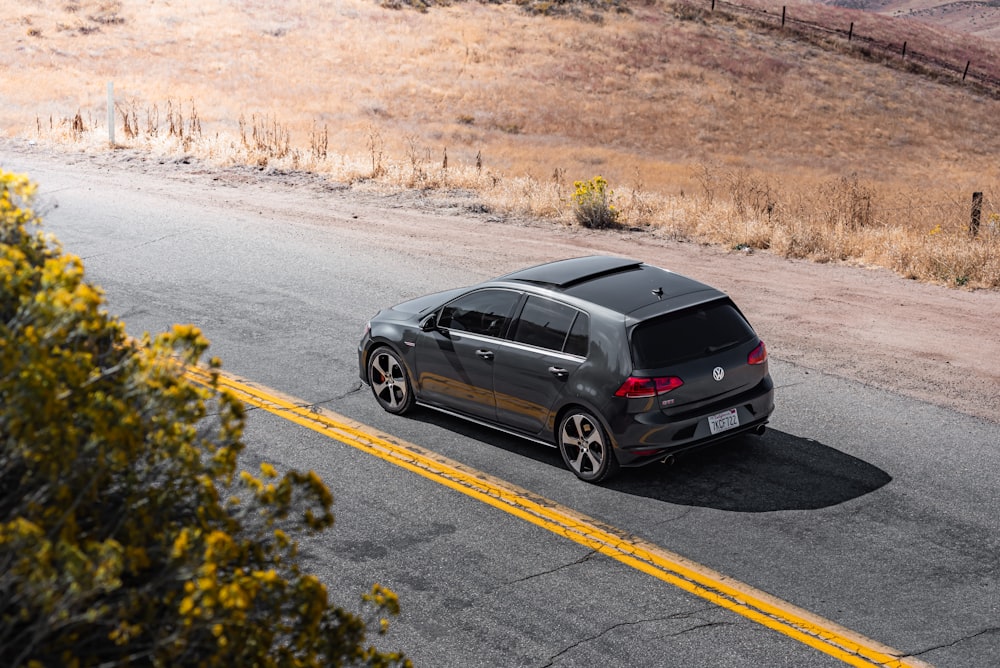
(710, 125)
(975, 17)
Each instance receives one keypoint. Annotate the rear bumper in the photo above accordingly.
(645, 438)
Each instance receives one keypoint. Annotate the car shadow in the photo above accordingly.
(749, 474)
(757, 474)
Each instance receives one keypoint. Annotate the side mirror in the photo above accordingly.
(429, 323)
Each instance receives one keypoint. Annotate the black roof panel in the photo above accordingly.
(618, 284)
(644, 286)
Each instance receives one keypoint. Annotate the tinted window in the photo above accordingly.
(544, 323)
(694, 332)
(482, 312)
(579, 337)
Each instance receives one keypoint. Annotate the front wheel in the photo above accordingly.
(389, 382)
(585, 448)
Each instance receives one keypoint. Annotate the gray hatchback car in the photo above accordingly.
(613, 361)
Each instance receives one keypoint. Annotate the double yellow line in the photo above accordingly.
(801, 625)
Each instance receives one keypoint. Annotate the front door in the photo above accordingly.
(455, 361)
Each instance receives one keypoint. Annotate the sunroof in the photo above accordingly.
(565, 273)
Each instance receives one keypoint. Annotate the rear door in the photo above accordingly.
(547, 343)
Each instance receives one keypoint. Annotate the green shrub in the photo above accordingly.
(592, 204)
(127, 535)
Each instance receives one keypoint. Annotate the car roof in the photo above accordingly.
(626, 286)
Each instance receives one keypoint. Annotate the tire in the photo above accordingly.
(389, 381)
(585, 447)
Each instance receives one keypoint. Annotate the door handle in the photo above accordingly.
(485, 354)
(558, 372)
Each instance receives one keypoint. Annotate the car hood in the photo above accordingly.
(421, 305)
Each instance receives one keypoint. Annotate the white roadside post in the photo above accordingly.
(111, 114)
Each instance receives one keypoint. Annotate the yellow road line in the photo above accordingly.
(801, 625)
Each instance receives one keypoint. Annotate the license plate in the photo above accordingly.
(723, 421)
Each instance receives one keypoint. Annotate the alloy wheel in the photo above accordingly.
(584, 447)
(389, 382)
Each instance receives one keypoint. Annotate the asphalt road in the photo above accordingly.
(868, 508)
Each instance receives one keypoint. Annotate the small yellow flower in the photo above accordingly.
(180, 545)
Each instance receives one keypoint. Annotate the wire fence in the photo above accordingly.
(967, 71)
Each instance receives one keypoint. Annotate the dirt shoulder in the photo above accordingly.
(928, 342)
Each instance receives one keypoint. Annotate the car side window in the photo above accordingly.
(578, 341)
(481, 312)
(545, 323)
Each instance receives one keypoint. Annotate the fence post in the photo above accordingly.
(850, 32)
(782, 16)
(111, 114)
(977, 210)
(966, 69)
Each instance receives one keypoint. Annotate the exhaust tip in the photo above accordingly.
(759, 430)
(668, 460)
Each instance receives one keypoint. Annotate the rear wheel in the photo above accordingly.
(389, 382)
(585, 448)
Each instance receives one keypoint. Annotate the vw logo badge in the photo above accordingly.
(718, 373)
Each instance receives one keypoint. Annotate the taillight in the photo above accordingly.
(758, 355)
(637, 388)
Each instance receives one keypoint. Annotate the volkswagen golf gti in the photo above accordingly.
(614, 362)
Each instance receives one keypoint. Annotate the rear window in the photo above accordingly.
(694, 332)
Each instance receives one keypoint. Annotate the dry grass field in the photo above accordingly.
(707, 126)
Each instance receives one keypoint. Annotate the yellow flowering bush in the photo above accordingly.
(125, 534)
(592, 205)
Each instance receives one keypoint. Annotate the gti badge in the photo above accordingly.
(718, 373)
